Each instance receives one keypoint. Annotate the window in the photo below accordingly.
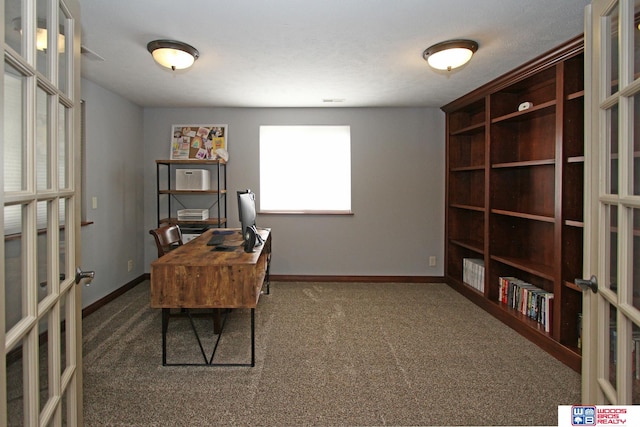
(15, 155)
(305, 169)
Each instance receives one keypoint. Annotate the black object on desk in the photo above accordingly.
(223, 248)
(216, 239)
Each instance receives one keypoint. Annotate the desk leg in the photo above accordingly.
(217, 323)
(165, 326)
(253, 338)
(268, 275)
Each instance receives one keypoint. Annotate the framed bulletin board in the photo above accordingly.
(199, 142)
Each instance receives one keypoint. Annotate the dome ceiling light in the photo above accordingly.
(450, 54)
(173, 54)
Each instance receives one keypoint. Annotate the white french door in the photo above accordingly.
(611, 316)
(40, 336)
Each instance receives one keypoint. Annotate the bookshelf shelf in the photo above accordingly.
(536, 110)
(576, 95)
(469, 244)
(576, 159)
(523, 215)
(467, 168)
(204, 223)
(515, 191)
(541, 270)
(467, 207)
(475, 128)
(523, 164)
(527, 322)
(185, 192)
(573, 286)
(570, 223)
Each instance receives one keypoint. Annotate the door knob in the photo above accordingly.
(84, 275)
(588, 284)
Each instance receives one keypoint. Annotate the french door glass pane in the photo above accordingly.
(64, 205)
(635, 149)
(63, 146)
(635, 366)
(13, 24)
(43, 350)
(64, 51)
(14, 142)
(636, 38)
(67, 304)
(63, 334)
(13, 277)
(613, 338)
(612, 151)
(67, 308)
(43, 146)
(44, 285)
(611, 22)
(15, 387)
(635, 256)
(42, 38)
(612, 245)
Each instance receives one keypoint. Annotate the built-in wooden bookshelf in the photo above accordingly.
(514, 195)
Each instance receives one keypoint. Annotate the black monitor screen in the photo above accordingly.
(246, 209)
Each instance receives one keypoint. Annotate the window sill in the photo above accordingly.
(18, 236)
(306, 213)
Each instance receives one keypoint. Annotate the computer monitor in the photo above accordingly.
(247, 212)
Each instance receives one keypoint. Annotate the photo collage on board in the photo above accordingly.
(199, 142)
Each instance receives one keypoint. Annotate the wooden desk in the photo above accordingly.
(196, 276)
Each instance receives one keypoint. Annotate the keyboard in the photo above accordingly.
(216, 239)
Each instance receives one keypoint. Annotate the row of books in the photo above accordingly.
(473, 273)
(528, 299)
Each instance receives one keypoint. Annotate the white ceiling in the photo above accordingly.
(295, 53)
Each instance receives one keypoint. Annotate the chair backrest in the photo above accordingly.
(167, 237)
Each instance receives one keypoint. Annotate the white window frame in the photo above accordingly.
(305, 169)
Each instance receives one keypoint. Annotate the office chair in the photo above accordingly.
(167, 237)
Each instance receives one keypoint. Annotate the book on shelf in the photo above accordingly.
(473, 273)
(528, 299)
(548, 318)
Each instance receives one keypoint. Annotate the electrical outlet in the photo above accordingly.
(94, 203)
(130, 265)
(432, 261)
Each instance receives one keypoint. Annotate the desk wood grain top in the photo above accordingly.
(197, 276)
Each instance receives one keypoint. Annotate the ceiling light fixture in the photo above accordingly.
(173, 54)
(450, 54)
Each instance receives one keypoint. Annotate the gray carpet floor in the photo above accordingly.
(326, 354)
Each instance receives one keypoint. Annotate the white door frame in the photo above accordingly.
(609, 201)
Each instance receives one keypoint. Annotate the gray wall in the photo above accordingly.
(114, 175)
(397, 188)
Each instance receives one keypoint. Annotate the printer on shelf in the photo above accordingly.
(190, 232)
(192, 179)
(193, 214)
